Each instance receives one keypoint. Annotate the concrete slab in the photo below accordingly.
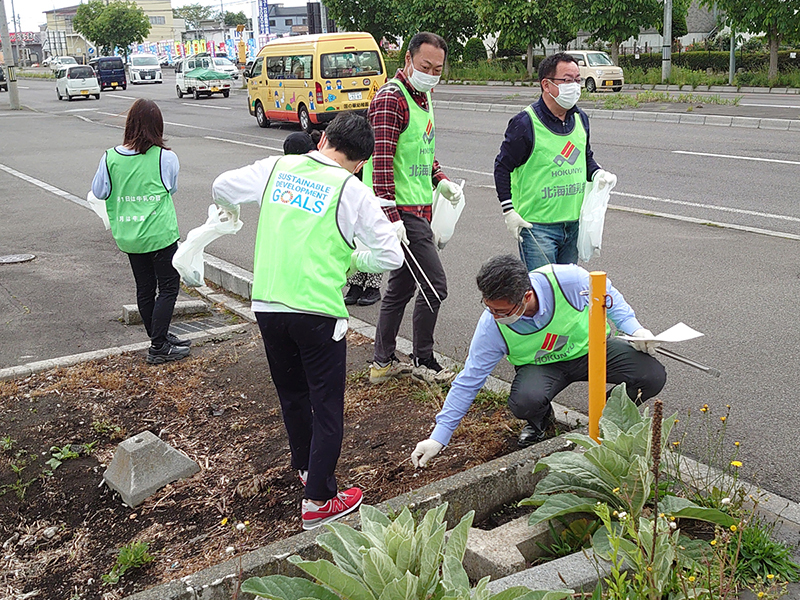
(779, 124)
(668, 118)
(747, 122)
(143, 464)
(577, 571)
(718, 120)
(692, 119)
(131, 315)
(622, 115)
(645, 116)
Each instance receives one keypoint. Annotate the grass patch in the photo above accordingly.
(34, 75)
(488, 399)
(618, 101)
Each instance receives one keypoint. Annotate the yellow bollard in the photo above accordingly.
(597, 352)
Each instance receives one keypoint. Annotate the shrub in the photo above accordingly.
(474, 50)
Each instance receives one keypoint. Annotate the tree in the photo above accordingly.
(119, 23)
(454, 20)
(776, 18)
(232, 19)
(376, 17)
(617, 20)
(193, 14)
(520, 22)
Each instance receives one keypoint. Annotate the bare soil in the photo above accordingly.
(62, 528)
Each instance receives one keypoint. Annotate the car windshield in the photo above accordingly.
(144, 61)
(599, 59)
(223, 62)
(80, 73)
(114, 63)
(68, 60)
(351, 64)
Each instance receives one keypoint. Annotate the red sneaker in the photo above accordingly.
(303, 476)
(344, 503)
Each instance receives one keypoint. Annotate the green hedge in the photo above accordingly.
(717, 61)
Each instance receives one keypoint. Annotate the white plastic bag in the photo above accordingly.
(593, 216)
(99, 208)
(445, 216)
(188, 259)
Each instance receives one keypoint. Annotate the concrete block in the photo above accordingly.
(673, 88)
(701, 88)
(577, 571)
(749, 122)
(143, 464)
(622, 115)
(721, 88)
(749, 90)
(131, 316)
(778, 90)
(718, 120)
(668, 118)
(661, 87)
(686, 88)
(644, 116)
(599, 113)
(794, 125)
(692, 119)
(228, 276)
(779, 124)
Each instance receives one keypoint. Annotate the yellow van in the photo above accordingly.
(309, 79)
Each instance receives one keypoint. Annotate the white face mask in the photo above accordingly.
(422, 82)
(568, 95)
(510, 319)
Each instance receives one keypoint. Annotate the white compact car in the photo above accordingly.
(76, 81)
(224, 65)
(61, 61)
(144, 68)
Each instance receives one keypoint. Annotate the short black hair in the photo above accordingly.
(351, 134)
(298, 142)
(503, 277)
(426, 37)
(547, 68)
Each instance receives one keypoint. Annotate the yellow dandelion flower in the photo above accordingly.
(704, 409)
(728, 405)
(247, 522)
(691, 578)
(662, 515)
(736, 444)
(734, 528)
(736, 463)
(224, 521)
(713, 542)
(672, 518)
(676, 443)
(705, 405)
(615, 490)
(677, 421)
(760, 594)
(770, 576)
(723, 419)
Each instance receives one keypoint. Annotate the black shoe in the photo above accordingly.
(370, 296)
(353, 294)
(530, 435)
(176, 341)
(166, 353)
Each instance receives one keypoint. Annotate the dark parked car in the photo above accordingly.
(110, 72)
(3, 82)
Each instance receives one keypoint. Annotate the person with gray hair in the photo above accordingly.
(539, 321)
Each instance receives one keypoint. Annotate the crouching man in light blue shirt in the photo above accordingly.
(540, 322)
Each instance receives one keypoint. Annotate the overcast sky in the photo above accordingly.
(31, 12)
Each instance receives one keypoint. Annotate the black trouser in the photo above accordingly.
(308, 369)
(535, 386)
(402, 287)
(154, 273)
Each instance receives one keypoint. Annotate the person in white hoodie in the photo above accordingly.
(312, 209)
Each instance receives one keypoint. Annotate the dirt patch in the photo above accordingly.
(62, 529)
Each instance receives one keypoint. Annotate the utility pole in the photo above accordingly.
(5, 38)
(732, 61)
(16, 35)
(666, 44)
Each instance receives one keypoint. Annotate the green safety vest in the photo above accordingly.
(301, 258)
(565, 337)
(549, 187)
(140, 208)
(414, 154)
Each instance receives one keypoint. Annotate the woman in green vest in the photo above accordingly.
(137, 180)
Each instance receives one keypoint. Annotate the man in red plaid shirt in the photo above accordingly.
(404, 173)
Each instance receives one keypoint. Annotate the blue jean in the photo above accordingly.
(547, 243)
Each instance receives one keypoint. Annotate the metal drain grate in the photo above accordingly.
(184, 327)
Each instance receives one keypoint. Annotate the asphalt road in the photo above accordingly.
(739, 288)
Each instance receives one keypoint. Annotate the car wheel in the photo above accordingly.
(124, 87)
(196, 94)
(617, 88)
(590, 86)
(261, 116)
(178, 91)
(60, 97)
(305, 120)
(69, 98)
(97, 96)
(226, 93)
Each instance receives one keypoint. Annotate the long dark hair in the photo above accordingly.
(144, 126)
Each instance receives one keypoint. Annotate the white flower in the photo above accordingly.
(622, 515)
(240, 526)
(673, 525)
(230, 550)
(726, 501)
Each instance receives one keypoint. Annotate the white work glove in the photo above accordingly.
(400, 230)
(516, 224)
(228, 212)
(352, 269)
(451, 191)
(648, 346)
(604, 178)
(425, 451)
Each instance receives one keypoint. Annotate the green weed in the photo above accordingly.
(131, 556)
(59, 455)
(6, 443)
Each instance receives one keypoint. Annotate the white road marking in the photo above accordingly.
(72, 110)
(467, 171)
(207, 106)
(23, 87)
(208, 137)
(111, 114)
(120, 96)
(771, 105)
(736, 157)
(45, 186)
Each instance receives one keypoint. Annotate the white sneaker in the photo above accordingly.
(395, 368)
(430, 371)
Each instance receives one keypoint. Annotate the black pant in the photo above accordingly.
(308, 369)
(535, 386)
(153, 272)
(402, 287)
